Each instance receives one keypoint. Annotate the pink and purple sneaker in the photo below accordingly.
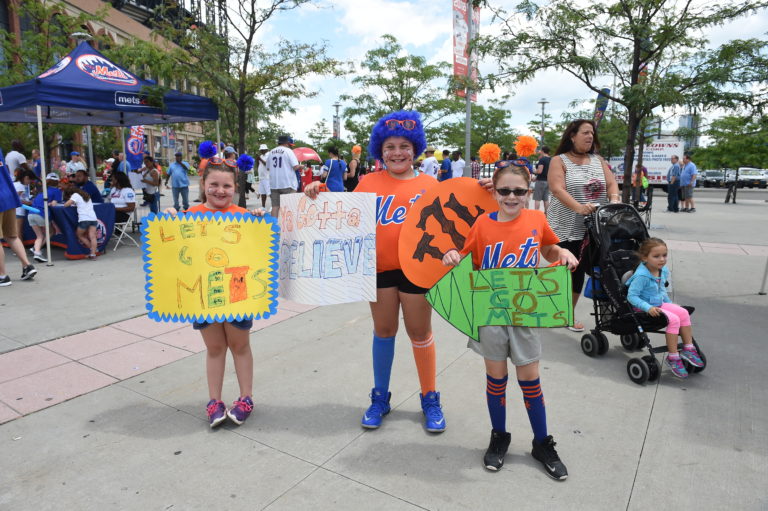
(692, 357)
(217, 412)
(678, 369)
(241, 410)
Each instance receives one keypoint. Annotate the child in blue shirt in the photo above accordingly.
(647, 292)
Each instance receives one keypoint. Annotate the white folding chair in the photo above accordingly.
(123, 237)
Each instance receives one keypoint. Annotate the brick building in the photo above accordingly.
(124, 20)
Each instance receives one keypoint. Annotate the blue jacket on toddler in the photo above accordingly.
(645, 290)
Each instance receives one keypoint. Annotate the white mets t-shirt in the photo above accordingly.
(280, 163)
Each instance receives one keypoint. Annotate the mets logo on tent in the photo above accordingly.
(57, 67)
(104, 70)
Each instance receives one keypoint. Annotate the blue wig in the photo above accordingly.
(380, 133)
(245, 163)
(207, 149)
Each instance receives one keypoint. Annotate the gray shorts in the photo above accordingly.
(541, 191)
(275, 193)
(36, 220)
(687, 192)
(518, 343)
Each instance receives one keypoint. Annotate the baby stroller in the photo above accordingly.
(614, 233)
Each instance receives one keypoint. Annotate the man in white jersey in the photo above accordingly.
(430, 166)
(282, 165)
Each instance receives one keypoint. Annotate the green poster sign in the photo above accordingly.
(532, 297)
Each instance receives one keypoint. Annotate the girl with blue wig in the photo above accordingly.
(396, 139)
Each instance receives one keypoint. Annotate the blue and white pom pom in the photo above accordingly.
(245, 162)
(207, 149)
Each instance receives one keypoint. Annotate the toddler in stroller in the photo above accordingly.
(647, 292)
(628, 286)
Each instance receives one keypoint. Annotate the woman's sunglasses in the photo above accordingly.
(518, 192)
(407, 124)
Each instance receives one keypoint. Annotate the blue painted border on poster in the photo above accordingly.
(217, 318)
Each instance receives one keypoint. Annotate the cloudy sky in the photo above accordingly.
(424, 27)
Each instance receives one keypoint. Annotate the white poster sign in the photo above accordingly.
(328, 248)
(656, 158)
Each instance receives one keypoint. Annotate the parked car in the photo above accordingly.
(752, 177)
(713, 178)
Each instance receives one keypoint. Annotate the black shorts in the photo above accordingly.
(396, 278)
(244, 324)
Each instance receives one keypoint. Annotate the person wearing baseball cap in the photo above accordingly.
(282, 165)
(75, 163)
(263, 174)
(429, 165)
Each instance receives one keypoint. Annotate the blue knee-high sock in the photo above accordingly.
(534, 405)
(383, 355)
(496, 395)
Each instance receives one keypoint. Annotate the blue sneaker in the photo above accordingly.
(240, 410)
(692, 357)
(378, 409)
(434, 419)
(217, 412)
(678, 369)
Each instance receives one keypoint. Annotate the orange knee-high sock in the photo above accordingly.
(424, 356)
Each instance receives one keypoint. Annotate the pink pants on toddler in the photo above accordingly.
(676, 317)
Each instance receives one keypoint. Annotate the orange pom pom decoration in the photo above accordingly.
(525, 145)
(489, 153)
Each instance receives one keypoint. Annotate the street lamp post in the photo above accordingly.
(543, 102)
(336, 122)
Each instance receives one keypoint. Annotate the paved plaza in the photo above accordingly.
(102, 408)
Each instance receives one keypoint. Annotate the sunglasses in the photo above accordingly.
(215, 160)
(518, 192)
(507, 163)
(407, 124)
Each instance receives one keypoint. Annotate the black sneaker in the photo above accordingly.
(497, 449)
(692, 210)
(28, 273)
(545, 452)
(5, 281)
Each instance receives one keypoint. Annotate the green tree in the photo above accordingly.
(45, 40)
(654, 48)
(738, 141)
(320, 133)
(253, 85)
(489, 124)
(391, 79)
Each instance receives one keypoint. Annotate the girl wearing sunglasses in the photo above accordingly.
(513, 237)
(395, 140)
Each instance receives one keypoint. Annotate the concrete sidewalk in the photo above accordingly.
(141, 442)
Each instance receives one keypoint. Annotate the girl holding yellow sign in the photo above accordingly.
(217, 190)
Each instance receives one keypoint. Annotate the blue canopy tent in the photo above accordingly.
(86, 88)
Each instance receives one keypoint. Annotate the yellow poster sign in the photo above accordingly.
(210, 267)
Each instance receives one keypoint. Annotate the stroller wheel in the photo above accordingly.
(638, 370)
(602, 343)
(654, 370)
(630, 342)
(589, 345)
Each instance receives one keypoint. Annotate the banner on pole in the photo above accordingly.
(210, 267)
(461, 44)
(601, 104)
(134, 147)
(531, 297)
(328, 248)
